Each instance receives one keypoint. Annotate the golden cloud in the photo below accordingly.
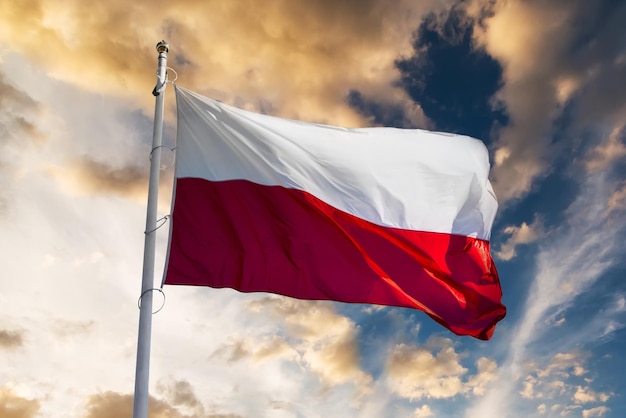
(14, 406)
(434, 371)
(180, 393)
(544, 67)
(519, 235)
(325, 340)
(89, 177)
(301, 58)
(259, 350)
(527, 39)
(115, 405)
(416, 373)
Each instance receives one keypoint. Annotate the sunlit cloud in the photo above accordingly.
(519, 235)
(286, 57)
(598, 411)
(435, 371)
(533, 41)
(325, 341)
(13, 405)
(423, 411)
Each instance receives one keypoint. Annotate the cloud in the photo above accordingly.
(519, 235)
(93, 177)
(11, 339)
(585, 395)
(258, 350)
(434, 371)
(423, 412)
(547, 67)
(617, 200)
(598, 411)
(431, 376)
(12, 96)
(17, 121)
(14, 406)
(94, 144)
(558, 382)
(486, 373)
(607, 152)
(527, 92)
(287, 53)
(528, 391)
(561, 365)
(18, 133)
(325, 341)
(399, 114)
(15, 103)
(114, 405)
(601, 326)
(181, 394)
(540, 74)
(66, 328)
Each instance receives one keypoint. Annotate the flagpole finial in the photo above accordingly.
(163, 47)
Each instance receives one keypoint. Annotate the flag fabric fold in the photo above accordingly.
(382, 216)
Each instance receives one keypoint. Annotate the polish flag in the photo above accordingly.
(396, 217)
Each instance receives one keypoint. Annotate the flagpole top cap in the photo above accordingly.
(163, 47)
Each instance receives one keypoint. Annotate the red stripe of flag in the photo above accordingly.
(257, 238)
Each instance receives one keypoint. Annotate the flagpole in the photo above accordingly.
(142, 371)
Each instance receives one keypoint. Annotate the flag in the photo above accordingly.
(384, 216)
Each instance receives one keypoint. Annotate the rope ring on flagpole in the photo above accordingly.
(151, 290)
(175, 75)
(163, 220)
(160, 146)
(172, 149)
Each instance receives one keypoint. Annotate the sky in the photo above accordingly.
(541, 83)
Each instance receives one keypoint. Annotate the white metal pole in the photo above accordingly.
(142, 371)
